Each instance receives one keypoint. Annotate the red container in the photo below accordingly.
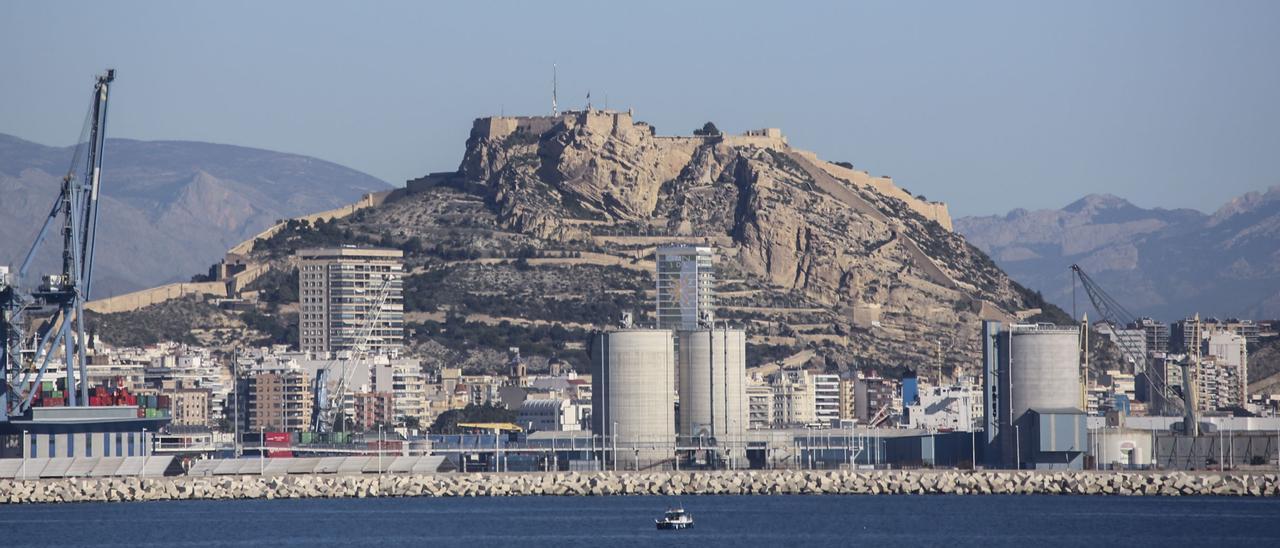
(142, 413)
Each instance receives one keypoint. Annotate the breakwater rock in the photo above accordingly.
(792, 482)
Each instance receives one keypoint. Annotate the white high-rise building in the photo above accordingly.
(337, 290)
(686, 282)
(826, 398)
(1232, 353)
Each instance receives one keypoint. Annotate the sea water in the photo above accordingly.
(739, 521)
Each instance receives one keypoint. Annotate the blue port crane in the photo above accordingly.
(25, 359)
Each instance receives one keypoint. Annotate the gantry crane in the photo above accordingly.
(1114, 313)
(326, 415)
(63, 295)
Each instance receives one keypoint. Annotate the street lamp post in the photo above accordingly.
(1017, 442)
(973, 447)
(380, 447)
(25, 450)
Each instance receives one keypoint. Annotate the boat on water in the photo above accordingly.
(675, 518)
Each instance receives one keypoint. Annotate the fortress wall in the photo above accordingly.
(760, 141)
(934, 211)
(138, 299)
(238, 282)
(371, 199)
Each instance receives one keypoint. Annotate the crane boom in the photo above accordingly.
(327, 415)
(1117, 315)
(66, 293)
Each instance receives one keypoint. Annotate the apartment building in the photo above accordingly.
(347, 294)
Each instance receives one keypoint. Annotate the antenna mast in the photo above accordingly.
(555, 109)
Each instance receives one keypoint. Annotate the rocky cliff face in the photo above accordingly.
(865, 273)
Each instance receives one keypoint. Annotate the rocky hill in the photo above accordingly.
(551, 223)
(170, 208)
(1163, 263)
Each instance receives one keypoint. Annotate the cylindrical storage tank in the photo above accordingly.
(1044, 368)
(712, 384)
(633, 394)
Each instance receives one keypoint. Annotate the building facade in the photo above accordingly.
(686, 282)
(191, 406)
(826, 398)
(279, 400)
(337, 292)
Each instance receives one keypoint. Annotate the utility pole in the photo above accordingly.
(235, 386)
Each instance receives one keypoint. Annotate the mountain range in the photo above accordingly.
(1167, 264)
(169, 208)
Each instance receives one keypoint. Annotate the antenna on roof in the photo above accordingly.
(555, 109)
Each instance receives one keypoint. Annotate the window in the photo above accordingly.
(88, 445)
(53, 445)
(119, 444)
(106, 444)
(131, 444)
(71, 445)
(34, 448)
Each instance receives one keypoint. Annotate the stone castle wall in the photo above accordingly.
(791, 482)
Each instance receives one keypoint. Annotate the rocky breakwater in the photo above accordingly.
(644, 483)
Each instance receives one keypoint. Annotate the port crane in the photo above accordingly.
(62, 295)
(1114, 313)
(326, 414)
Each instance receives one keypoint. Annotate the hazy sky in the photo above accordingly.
(988, 106)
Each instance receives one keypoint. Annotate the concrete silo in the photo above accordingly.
(712, 384)
(1032, 373)
(1044, 368)
(633, 393)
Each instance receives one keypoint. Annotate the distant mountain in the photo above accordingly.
(169, 208)
(1157, 262)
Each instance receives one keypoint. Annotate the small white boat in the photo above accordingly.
(675, 518)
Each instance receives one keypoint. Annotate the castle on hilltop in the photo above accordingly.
(616, 123)
(623, 126)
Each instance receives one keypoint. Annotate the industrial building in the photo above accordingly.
(633, 392)
(713, 398)
(686, 281)
(1033, 396)
(342, 290)
(942, 409)
(552, 414)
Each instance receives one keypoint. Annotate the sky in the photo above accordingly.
(988, 106)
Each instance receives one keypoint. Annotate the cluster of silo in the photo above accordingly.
(633, 393)
(712, 368)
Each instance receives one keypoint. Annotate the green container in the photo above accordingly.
(56, 394)
(48, 386)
